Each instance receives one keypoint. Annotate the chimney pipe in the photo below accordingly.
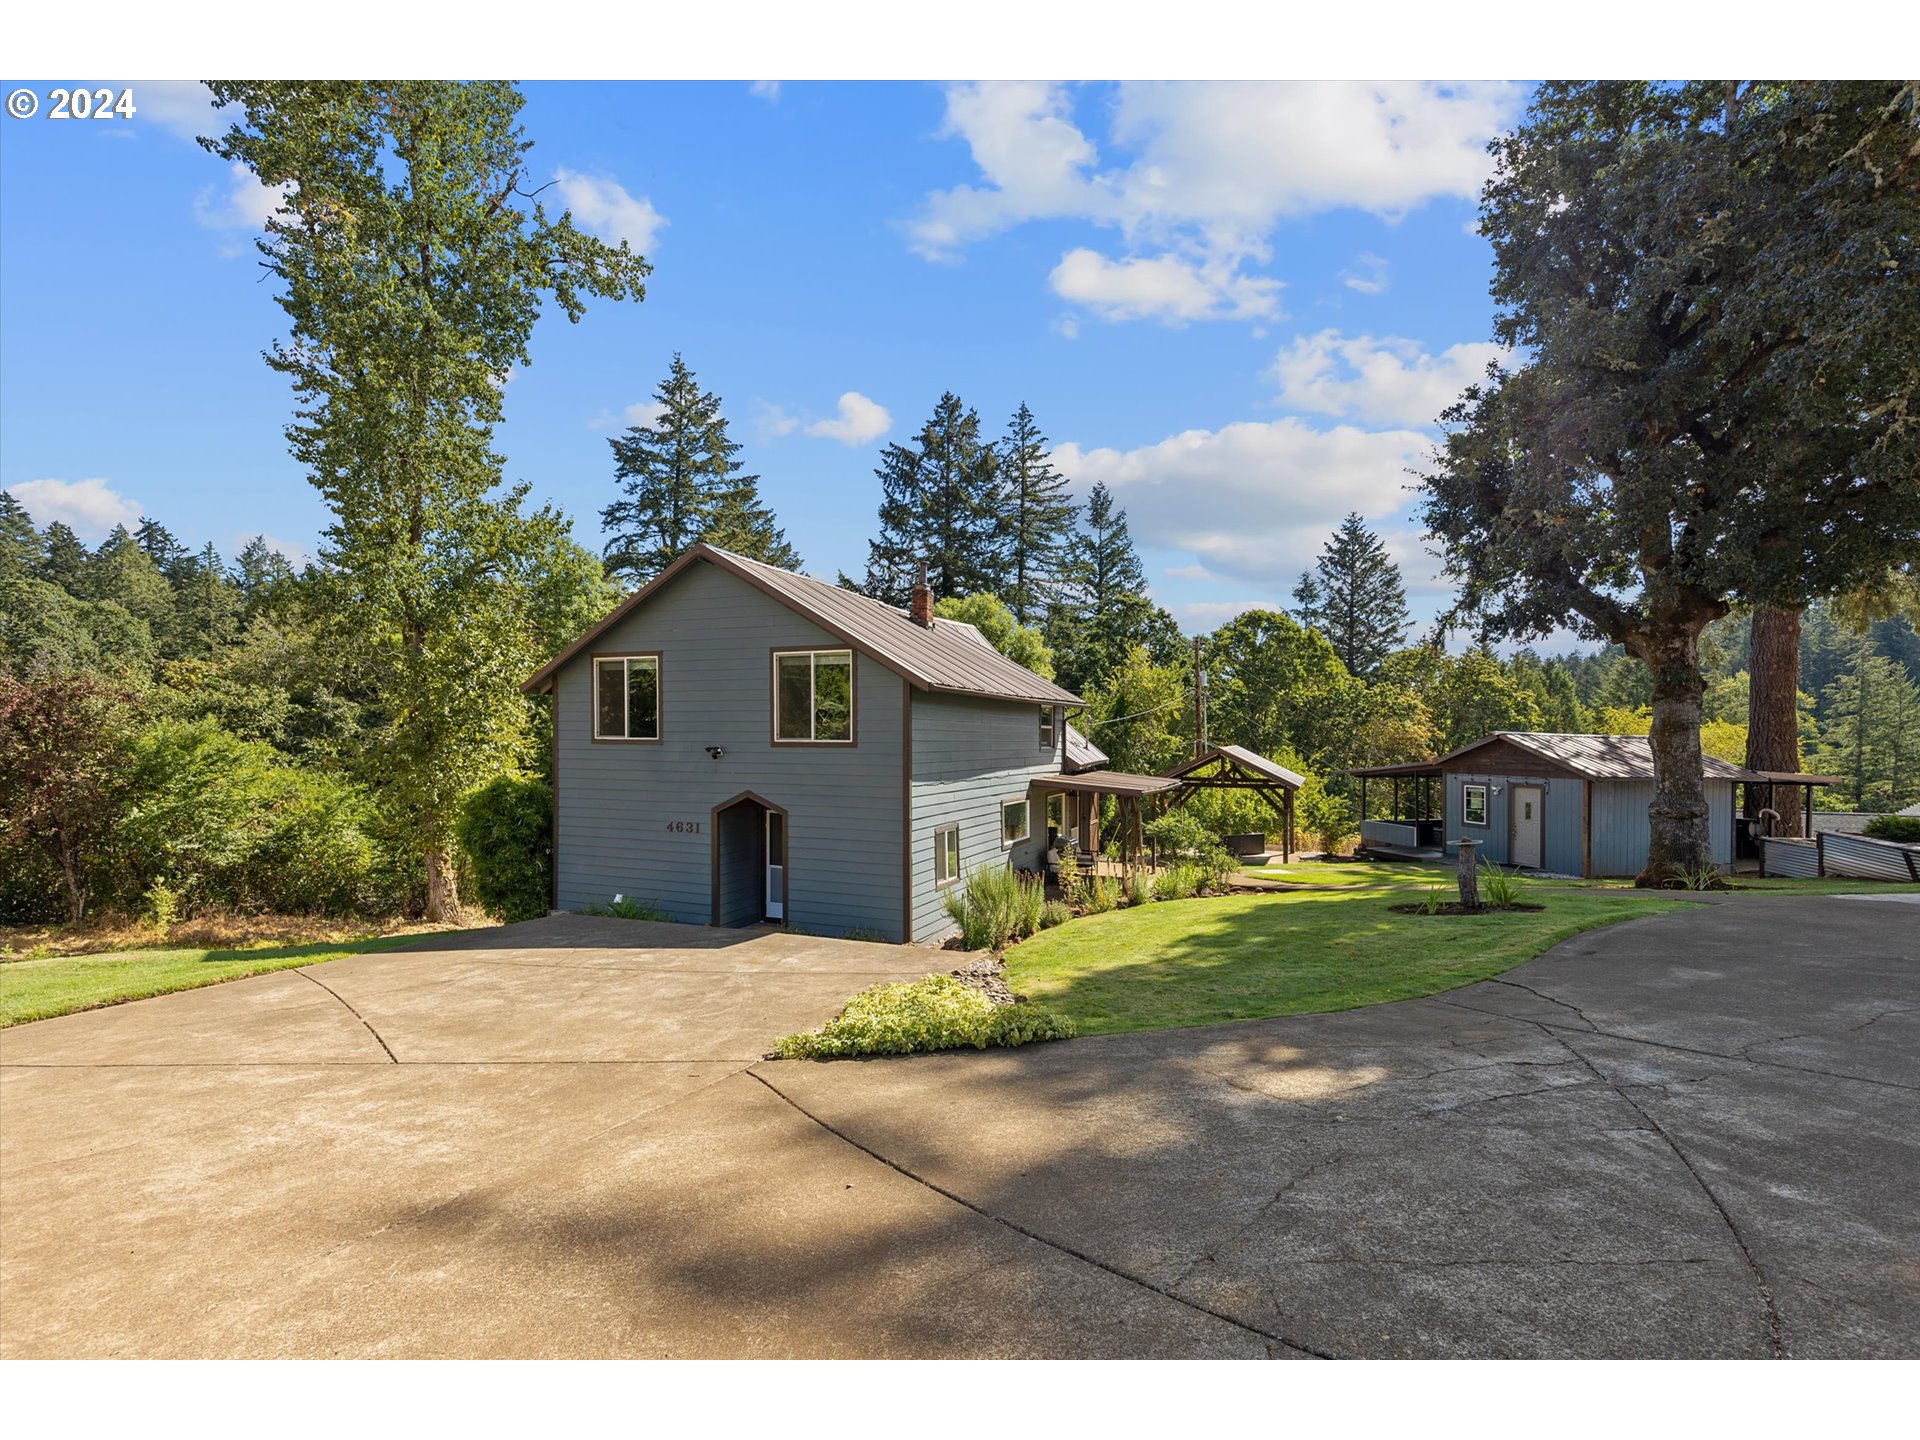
(922, 606)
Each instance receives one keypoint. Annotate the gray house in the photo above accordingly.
(1565, 804)
(739, 743)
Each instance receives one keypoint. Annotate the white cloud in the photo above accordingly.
(601, 204)
(771, 421)
(1164, 287)
(1252, 501)
(1367, 274)
(90, 507)
(768, 90)
(1202, 615)
(860, 421)
(184, 107)
(1207, 170)
(641, 412)
(246, 204)
(1384, 381)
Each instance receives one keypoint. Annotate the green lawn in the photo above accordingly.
(40, 989)
(1242, 957)
(1357, 873)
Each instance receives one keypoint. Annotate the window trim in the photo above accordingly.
(1026, 833)
(659, 697)
(1486, 805)
(853, 693)
(1049, 729)
(940, 832)
(1058, 797)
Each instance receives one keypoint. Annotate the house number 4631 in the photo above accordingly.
(683, 827)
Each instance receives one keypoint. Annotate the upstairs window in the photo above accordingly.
(626, 697)
(1473, 804)
(1046, 728)
(813, 697)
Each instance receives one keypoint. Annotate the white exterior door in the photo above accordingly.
(776, 865)
(1528, 801)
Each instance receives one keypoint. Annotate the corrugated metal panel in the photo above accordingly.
(1780, 856)
(1248, 761)
(1863, 858)
(1602, 757)
(946, 656)
(1082, 753)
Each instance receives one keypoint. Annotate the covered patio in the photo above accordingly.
(1076, 816)
(1411, 828)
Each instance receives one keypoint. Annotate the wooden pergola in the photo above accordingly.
(1233, 767)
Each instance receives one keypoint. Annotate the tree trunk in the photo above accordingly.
(76, 890)
(1468, 872)
(1773, 712)
(443, 899)
(1679, 839)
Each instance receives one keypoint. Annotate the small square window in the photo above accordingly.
(1473, 804)
(1013, 822)
(946, 855)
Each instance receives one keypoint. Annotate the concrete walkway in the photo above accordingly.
(1691, 1134)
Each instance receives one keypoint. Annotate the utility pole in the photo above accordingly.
(1199, 700)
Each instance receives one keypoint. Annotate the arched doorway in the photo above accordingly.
(749, 861)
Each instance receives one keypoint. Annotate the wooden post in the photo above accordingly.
(1469, 876)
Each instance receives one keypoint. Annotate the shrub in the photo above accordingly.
(1327, 818)
(1073, 885)
(1102, 894)
(506, 829)
(162, 906)
(1497, 887)
(1904, 829)
(621, 908)
(1217, 866)
(935, 1013)
(996, 906)
(1139, 889)
(1180, 835)
(1054, 913)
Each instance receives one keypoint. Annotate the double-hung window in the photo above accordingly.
(1013, 822)
(1046, 728)
(626, 697)
(1473, 804)
(813, 697)
(946, 855)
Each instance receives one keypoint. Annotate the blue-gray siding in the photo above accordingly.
(615, 802)
(968, 755)
(1560, 819)
(1622, 835)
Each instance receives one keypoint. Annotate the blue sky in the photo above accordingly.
(1239, 305)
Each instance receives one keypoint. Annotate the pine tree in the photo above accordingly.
(681, 484)
(941, 502)
(160, 546)
(1873, 735)
(1102, 608)
(265, 575)
(20, 548)
(1039, 518)
(1355, 598)
(122, 572)
(206, 605)
(63, 559)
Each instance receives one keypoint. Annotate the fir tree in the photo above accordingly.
(19, 541)
(206, 603)
(1355, 598)
(264, 576)
(681, 484)
(160, 546)
(941, 502)
(121, 572)
(1103, 608)
(63, 559)
(1873, 735)
(1039, 518)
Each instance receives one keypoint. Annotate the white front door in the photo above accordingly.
(776, 865)
(1527, 801)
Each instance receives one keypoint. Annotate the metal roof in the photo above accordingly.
(1081, 753)
(1598, 757)
(1245, 760)
(1107, 782)
(1413, 768)
(948, 656)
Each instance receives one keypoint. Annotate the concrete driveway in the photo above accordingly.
(1692, 1134)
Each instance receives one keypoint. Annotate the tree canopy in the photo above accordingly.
(1354, 597)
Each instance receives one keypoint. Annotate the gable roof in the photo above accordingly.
(1597, 757)
(1253, 766)
(950, 657)
(1082, 754)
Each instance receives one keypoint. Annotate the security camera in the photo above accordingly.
(716, 751)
